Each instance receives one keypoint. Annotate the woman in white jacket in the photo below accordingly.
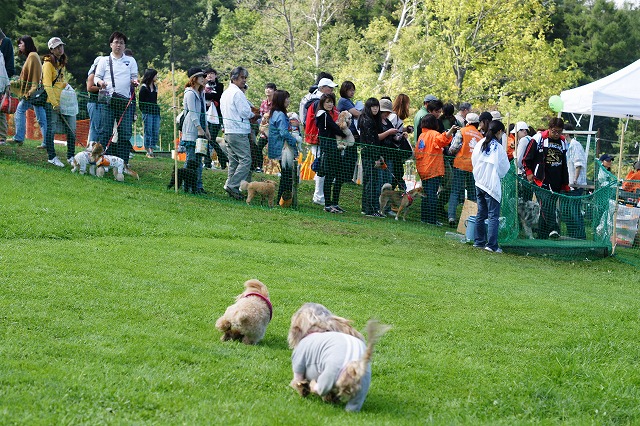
(490, 165)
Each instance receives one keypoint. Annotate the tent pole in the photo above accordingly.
(589, 136)
(615, 213)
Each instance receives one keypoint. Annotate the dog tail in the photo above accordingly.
(130, 172)
(387, 186)
(349, 382)
(243, 185)
(223, 324)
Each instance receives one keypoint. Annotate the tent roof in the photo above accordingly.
(616, 95)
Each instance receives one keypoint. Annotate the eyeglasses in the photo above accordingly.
(555, 130)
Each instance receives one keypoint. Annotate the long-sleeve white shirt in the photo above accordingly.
(236, 111)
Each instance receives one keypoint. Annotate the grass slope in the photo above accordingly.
(109, 293)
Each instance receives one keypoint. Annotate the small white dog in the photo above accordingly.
(83, 159)
(247, 319)
(344, 122)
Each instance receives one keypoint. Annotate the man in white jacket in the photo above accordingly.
(237, 116)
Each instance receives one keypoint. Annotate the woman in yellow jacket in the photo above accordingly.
(430, 164)
(54, 81)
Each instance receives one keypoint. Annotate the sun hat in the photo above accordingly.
(195, 71)
(385, 105)
(520, 125)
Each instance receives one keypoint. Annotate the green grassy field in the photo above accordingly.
(109, 293)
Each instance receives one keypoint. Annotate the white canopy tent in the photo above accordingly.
(616, 95)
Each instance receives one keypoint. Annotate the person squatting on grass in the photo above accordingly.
(54, 81)
(282, 145)
(194, 125)
(490, 165)
(430, 164)
(118, 74)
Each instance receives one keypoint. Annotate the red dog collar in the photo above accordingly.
(267, 301)
(409, 197)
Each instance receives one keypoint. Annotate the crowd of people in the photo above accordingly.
(458, 156)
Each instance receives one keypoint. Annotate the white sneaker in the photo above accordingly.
(56, 162)
(319, 202)
(554, 234)
(70, 161)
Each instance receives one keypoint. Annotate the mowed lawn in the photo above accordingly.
(109, 293)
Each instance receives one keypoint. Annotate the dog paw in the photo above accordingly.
(302, 387)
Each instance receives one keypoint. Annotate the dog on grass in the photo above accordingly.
(265, 189)
(104, 162)
(336, 366)
(187, 177)
(344, 122)
(529, 215)
(316, 318)
(399, 199)
(83, 159)
(247, 319)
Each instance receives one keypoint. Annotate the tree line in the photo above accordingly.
(505, 54)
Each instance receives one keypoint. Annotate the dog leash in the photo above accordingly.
(133, 93)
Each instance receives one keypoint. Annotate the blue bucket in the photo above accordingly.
(470, 224)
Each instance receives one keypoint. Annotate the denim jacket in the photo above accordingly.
(278, 134)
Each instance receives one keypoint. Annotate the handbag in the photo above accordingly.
(318, 165)
(9, 103)
(38, 97)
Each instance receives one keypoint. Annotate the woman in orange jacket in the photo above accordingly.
(430, 164)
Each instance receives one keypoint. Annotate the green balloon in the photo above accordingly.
(556, 103)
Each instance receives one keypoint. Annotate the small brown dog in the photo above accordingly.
(399, 199)
(266, 189)
(247, 319)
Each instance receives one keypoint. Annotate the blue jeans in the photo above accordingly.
(21, 119)
(191, 155)
(429, 202)
(488, 208)
(151, 130)
(461, 180)
(58, 123)
(97, 120)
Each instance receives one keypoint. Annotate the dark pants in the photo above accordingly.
(332, 179)
(548, 212)
(571, 209)
(286, 180)
(214, 129)
(260, 144)
(370, 186)
(118, 110)
(54, 119)
(429, 202)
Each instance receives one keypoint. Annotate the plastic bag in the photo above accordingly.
(68, 101)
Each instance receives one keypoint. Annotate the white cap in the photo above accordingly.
(472, 117)
(54, 42)
(520, 125)
(326, 82)
(496, 115)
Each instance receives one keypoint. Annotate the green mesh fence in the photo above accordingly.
(353, 181)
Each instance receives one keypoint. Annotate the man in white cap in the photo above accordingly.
(522, 138)
(325, 86)
(118, 73)
(462, 147)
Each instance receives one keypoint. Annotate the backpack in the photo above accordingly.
(311, 128)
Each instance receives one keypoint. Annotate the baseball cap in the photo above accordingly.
(496, 115)
(430, 98)
(385, 105)
(520, 125)
(605, 157)
(54, 42)
(472, 117)
(326, 82)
